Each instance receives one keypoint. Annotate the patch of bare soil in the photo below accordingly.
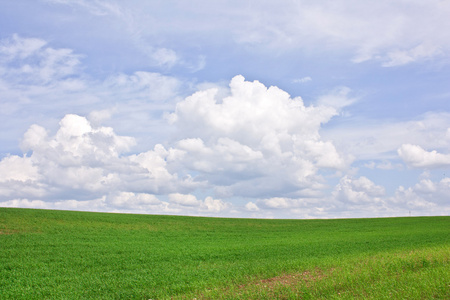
(294, 279)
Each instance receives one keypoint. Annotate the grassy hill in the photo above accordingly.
(77, 255)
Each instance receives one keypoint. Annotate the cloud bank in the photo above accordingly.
(254, 152)
(257, 141)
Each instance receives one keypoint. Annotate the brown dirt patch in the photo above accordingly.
(293, 279)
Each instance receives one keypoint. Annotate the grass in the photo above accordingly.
(79, 255)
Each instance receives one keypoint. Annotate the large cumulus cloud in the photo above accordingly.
(82, 162)
(256, 141)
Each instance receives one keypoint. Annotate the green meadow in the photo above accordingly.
(48, 254)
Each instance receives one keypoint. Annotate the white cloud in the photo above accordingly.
(382, 165)
(77, 140)
(129, 200)
(417, 157)
(20, 48)
(305, 208)
(189, 202)
(78, 157)
(19, 177)
(351, 197)
(361, 197)
(225, 155)
(358, 191)
(302, 80)
(97, 117)
(84, 162)
(68, 204)
(250, 206)
(165, 57)
(338, 98)
(28, 61)
(403, 57)
(424, 198)
(214, 205)
(277, 202)
(255, 139)
(17, 168)
(252, 113)
(185, 200)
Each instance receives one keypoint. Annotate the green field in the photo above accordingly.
(79, 255)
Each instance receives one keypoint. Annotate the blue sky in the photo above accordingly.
(263, 109)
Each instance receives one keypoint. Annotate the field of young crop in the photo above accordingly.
(76, 255)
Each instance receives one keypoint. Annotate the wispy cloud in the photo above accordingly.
(390, 32)
(95, 7)
(302, 80)
(29, 61)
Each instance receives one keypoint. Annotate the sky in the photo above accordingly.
(245, 109)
